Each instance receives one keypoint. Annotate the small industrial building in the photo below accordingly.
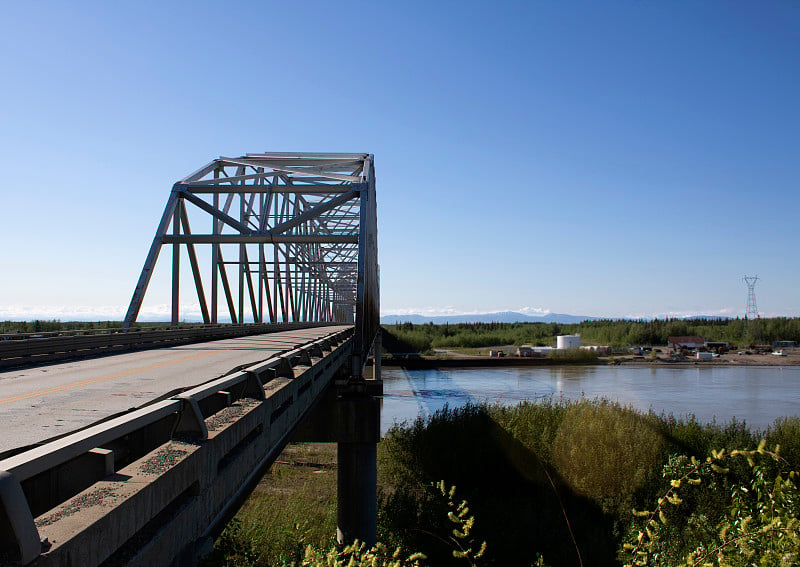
(678, 343)
(533, 351)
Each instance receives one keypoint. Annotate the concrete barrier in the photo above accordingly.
(143, 488)
(51, 347)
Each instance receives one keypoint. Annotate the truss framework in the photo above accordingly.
(752, 309)
(298, 231)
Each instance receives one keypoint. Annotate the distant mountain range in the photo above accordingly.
(498, 317)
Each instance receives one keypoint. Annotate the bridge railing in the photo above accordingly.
(37, 480)
(113, 330)
(41, 348)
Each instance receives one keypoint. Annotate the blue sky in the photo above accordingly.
(607, 159)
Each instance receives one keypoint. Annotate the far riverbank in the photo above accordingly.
(427, 362)
(453, 359)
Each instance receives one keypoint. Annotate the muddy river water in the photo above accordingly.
(756, 394)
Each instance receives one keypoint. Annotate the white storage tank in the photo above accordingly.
(564, 342)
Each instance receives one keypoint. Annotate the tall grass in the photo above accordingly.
(553, 478)
(538, 473)
(293, 506)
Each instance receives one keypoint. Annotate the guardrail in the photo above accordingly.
(48, 347)
(40, 480)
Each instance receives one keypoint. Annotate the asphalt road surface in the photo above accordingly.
(48, 401)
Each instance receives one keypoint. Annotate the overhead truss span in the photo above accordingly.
(288, 237)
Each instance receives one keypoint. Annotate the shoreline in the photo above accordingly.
(474, 361)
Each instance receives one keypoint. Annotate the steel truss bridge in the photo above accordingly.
(282, 257)
(300, 234)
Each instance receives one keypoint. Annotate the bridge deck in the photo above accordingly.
(48, 401)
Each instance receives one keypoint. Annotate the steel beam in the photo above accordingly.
(300, 215)
(301, 189)
(262, 239)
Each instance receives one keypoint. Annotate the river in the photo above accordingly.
(754, 394)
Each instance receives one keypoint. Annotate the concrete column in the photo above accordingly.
(357, 499)
(358, 416)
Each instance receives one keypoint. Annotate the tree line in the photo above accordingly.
(55, 325)
(611, 332)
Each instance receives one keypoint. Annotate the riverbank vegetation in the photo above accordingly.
(55, 325)
(612, 332)
(424, 338)
(564, 483)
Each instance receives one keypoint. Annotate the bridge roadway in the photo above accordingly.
(43, 402)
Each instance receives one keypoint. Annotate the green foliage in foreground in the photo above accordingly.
(558, 479)
(295, 507)
(759, 526)
(407, 337)
(572, 483)
(358, 555)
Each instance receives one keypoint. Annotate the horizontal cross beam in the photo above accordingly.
(315, 189)
(263, 239)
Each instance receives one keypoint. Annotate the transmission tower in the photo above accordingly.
(752, 310)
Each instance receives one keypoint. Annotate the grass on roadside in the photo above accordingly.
(550, 479)
(294, 505)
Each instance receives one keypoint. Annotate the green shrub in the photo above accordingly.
(757, 526)
(786, 433)
(357, 555)
(603, 450)
(550, 481)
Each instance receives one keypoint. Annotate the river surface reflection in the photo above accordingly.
(755, 394)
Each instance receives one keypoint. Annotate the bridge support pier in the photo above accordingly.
(349, 414)
(358, 416)
(357, 498)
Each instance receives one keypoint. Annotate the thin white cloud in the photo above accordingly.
(541, 312)
(426, 311)
(448, 310)
(533, 311)
(724, 312)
